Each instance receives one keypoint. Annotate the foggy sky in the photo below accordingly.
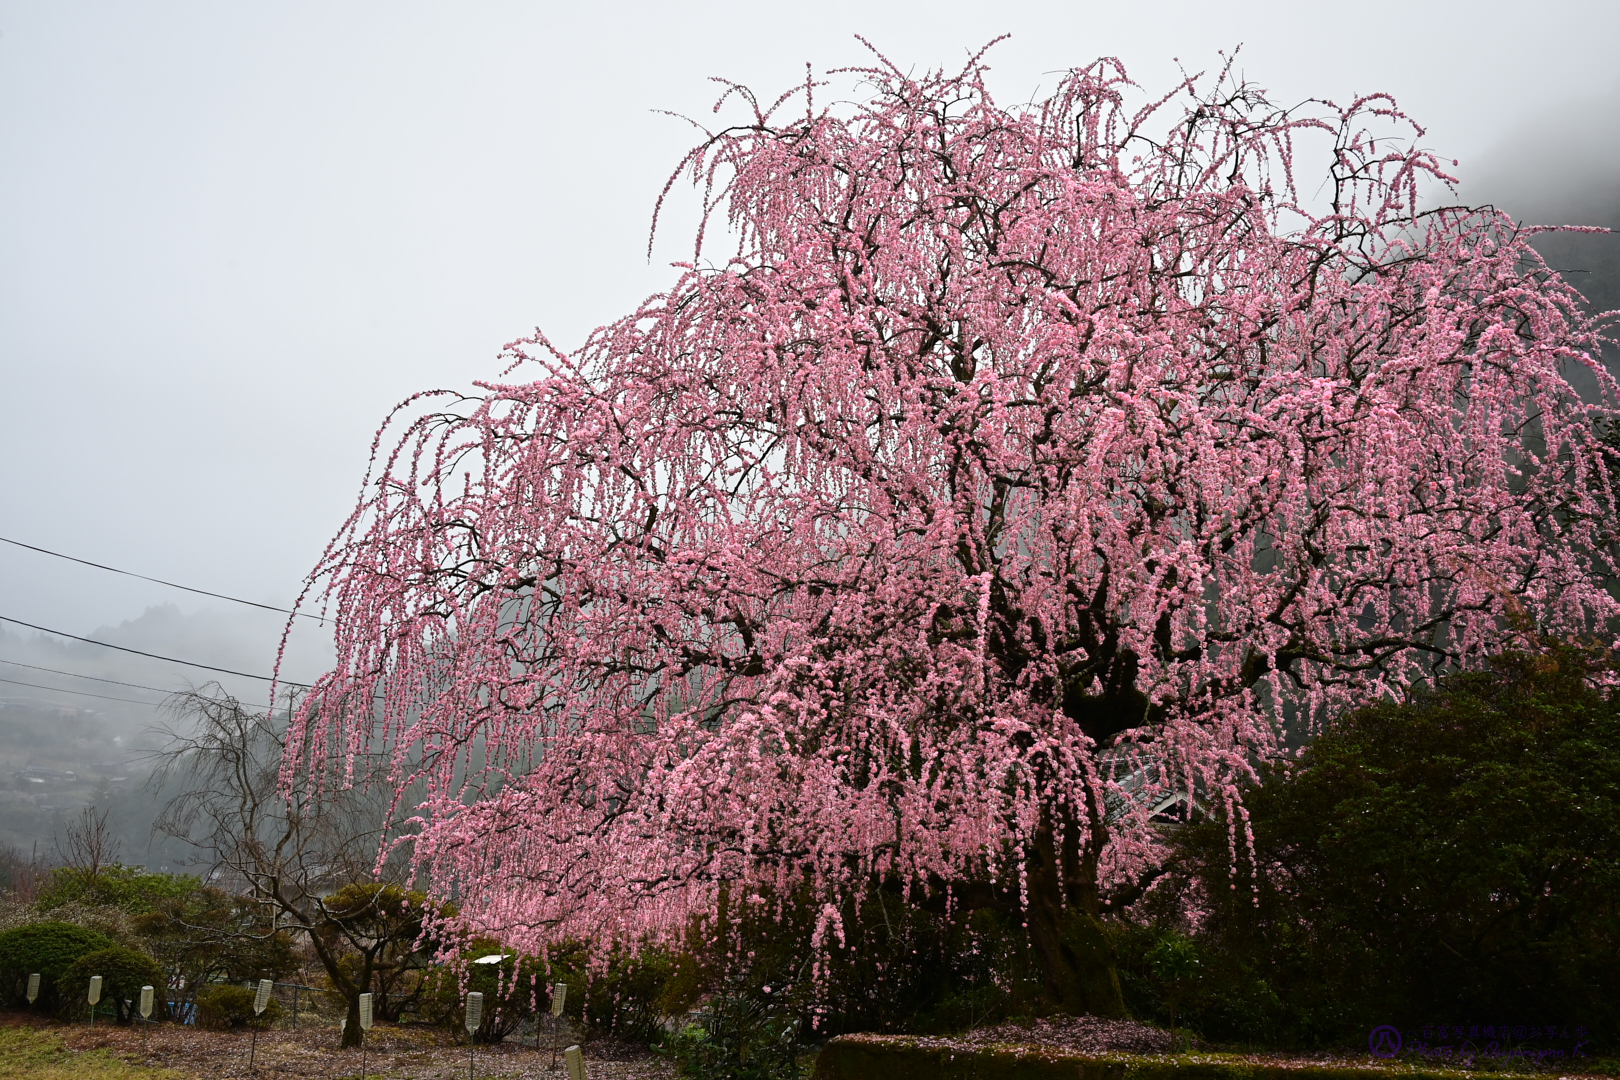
(232, 236)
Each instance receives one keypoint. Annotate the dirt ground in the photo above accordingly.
(394, 1053)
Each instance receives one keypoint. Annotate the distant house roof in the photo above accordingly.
(1138, 783)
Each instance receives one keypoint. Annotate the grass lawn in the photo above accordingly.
(30, 1054)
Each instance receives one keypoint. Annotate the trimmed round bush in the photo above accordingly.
(123, 972)
(223, 1006)
(48, 948)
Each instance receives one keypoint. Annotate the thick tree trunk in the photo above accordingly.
(1066, 933)
(351, 1028)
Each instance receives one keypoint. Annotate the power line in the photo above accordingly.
(81, 693)
(153, 656)
(160, 581)
(92, 678)
(96, 678)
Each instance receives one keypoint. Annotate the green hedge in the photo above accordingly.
(876, 1057)
(128, 888)
(123, 972)
(1452, 855)
(223, 1006)
(48, 948)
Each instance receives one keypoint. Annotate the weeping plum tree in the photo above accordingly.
(1016, 452)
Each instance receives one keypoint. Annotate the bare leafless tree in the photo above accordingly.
(19, 873)
(289, 850)
(92, 844)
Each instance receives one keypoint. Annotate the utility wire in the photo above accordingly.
(92, 678)
(81, 693)
(160, 581)
(153, 656)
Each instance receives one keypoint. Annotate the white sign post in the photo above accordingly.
(95, 996)
(574, 1058)
(33, 988)
(261, 1000)
(559, 994)
(475, 1016)
(146, 1012)
(365, 1026)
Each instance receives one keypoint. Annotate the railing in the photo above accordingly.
(185, 1012)
(296, 987)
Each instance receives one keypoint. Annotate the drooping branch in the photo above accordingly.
(1023, 463)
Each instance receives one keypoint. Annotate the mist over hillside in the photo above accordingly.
(67, 742)
(1565, 170)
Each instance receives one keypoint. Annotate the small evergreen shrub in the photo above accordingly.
(741, 1036)
(123, 972)
(224, 1006)
(48, 948)
(510, 988)
(1453, 854)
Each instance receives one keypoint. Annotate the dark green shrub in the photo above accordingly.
(899, 967)
(1452, 856)
(379, 933)
(48, 948)
(128, 888)
(222, 1006)
(511, 990)
(628, 1000)
(207, 935)
(624, 1000)
(1218, 992)
(123, 972)
(740, 1036)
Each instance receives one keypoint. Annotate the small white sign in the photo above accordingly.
(574, 1058)
(492, 958)
(146, 1003)
(262, 998)
(95, 989)
(365, 1012)
(33, 987)
(559, 994)
(475, 1011)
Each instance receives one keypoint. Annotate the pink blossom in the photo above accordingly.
(1018, 456)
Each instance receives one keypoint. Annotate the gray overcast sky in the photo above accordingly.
(233, 235)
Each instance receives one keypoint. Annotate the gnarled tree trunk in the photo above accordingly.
(1078, 972)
